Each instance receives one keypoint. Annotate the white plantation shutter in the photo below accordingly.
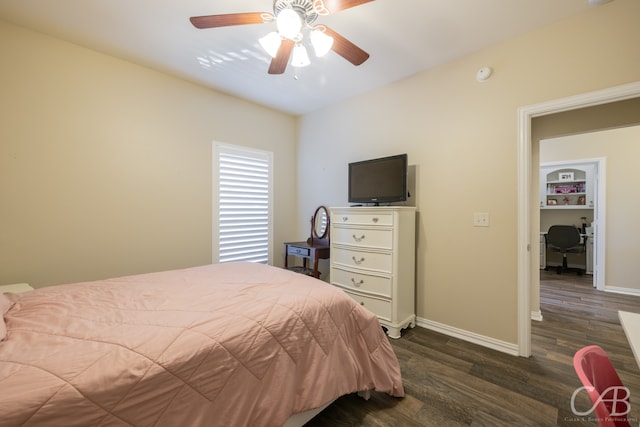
(242, 204)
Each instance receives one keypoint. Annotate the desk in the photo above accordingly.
(306, 251)
(631, 324)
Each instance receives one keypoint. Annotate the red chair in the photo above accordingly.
(610, 398)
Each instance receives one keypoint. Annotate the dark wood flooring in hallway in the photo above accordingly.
(450, 382)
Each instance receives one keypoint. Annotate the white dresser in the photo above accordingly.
(373, 260)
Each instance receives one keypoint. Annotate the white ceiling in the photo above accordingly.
(403, 37)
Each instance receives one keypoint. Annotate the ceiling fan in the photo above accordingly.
(293, 17)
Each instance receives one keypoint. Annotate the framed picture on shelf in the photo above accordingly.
(582, 200)
(565, 176)
(552, 202)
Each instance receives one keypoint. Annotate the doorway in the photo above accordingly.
(528, 193)
(591, 217)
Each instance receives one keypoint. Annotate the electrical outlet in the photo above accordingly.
(481, 219)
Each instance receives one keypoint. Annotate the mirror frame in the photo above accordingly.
(315, 222)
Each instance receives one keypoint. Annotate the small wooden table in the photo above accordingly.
(305, 250)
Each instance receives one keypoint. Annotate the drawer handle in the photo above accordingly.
(357, 284)
(360, 261)
(345, 218)
(361, 302)
(375, 220)
(358, 239)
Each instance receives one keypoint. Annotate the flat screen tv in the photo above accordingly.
(376, 181)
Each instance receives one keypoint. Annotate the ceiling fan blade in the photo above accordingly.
(215, 21)
(325, 7)
(346, 49)
(279, 63)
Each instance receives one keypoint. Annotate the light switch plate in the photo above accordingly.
(481, 219)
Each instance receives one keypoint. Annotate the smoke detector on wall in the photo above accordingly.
(483, 74)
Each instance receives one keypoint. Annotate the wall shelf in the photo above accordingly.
(564, 187)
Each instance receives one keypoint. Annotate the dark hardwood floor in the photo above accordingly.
(450, 382)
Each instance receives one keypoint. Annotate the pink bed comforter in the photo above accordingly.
(229, 344)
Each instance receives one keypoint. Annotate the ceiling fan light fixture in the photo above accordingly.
(295, 20)
(321, 42)
(299, 57)
(271, 43)
(289, 23)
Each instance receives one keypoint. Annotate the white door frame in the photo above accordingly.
(525, 114)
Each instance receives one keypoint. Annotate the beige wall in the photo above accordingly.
(462, 136)
(105, 166)
(621, 150)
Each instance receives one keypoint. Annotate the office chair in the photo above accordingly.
(606, 391)
(565, 239)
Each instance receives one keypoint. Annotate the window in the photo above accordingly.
(242, 207)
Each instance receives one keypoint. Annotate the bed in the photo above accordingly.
(234, 344)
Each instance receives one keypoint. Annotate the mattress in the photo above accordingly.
(234, 344)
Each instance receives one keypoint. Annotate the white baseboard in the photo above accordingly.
(502, 346)
(536, 315)
(625, 291)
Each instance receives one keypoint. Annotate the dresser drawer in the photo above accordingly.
(362, 219)
(363, 237)
(380, 307)
(361, 282)
(372, 261)
(298, 251)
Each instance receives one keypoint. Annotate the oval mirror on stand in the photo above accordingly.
(320, 226)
